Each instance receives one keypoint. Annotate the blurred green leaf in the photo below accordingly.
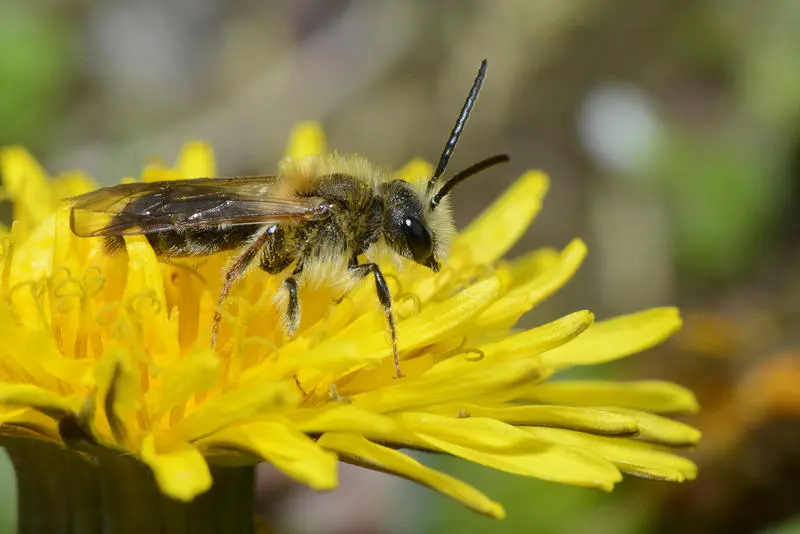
(726, 193)
(770, 79)
(8, 495)
(33, 71)
(531, 505)
(789, 527)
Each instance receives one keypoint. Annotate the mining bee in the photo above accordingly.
(313, 222)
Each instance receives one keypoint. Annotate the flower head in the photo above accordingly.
(113, 351)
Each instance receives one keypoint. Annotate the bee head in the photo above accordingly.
(410, 229)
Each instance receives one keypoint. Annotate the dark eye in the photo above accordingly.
(418, 239)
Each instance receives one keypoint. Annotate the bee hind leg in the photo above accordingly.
(385, 298)
(292, 317)
(236, 270)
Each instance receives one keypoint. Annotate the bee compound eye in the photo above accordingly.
(418, 239)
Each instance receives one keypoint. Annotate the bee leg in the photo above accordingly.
(385, 298)
(235, 271)
(292, 317)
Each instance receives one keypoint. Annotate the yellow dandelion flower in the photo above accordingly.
(106, 366)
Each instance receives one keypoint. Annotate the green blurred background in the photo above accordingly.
(670, 129)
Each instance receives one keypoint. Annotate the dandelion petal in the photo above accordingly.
(558, 463)
(35, 397)
(507, 310)
(649, 395)
(179, 468)
(441, 388)
(288, 450)
(356, 450)
(196, 160)
(513, 212)
(616, 338)
(660, 430)
(197, 372)
(628, 456)
(306, 139)
(342, 418)
(593, 420)
(238, 405)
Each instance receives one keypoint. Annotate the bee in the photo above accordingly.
(312, 223)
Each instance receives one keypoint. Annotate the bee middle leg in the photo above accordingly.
(292, 317)
(275, 259)
(385, 298)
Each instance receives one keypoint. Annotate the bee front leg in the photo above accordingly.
(385, 298)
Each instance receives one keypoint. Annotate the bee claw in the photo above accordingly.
(215, 329)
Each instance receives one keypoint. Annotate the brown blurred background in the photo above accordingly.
(671, 132)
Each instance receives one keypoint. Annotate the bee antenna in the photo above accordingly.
(466, 173)
(460, 123)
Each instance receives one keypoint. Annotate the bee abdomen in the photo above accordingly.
(194, 242)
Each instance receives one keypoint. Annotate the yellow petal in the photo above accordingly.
(146, 301)
(356, 450)
(196, 160)
(507, 310)
(533, 264)
(197, 372)
(567, 465)
(340, 418)
(649, 395)
(629, 456)
(593, 420)
(415, 170)
(65, 245)
(306, 139)
(11, 413)
(288, 450)
(75, 372)
(158, 172)
(525, 344)
(474, 432)
(47, 369)
(71, 185)
(179, 468)
(236, 406)
(31, 396)
(616, 338)
(542, 338)
(31, 263)
(26, 183)
(660, 430)
(480, 379)
(119, 390)
(424, 328)
(144, 271)
(500, 226)
(32, 424)
(6, 253)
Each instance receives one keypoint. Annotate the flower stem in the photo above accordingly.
(64, 491)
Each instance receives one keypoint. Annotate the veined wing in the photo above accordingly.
(142, 208)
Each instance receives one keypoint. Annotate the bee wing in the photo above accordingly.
(142, 208)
